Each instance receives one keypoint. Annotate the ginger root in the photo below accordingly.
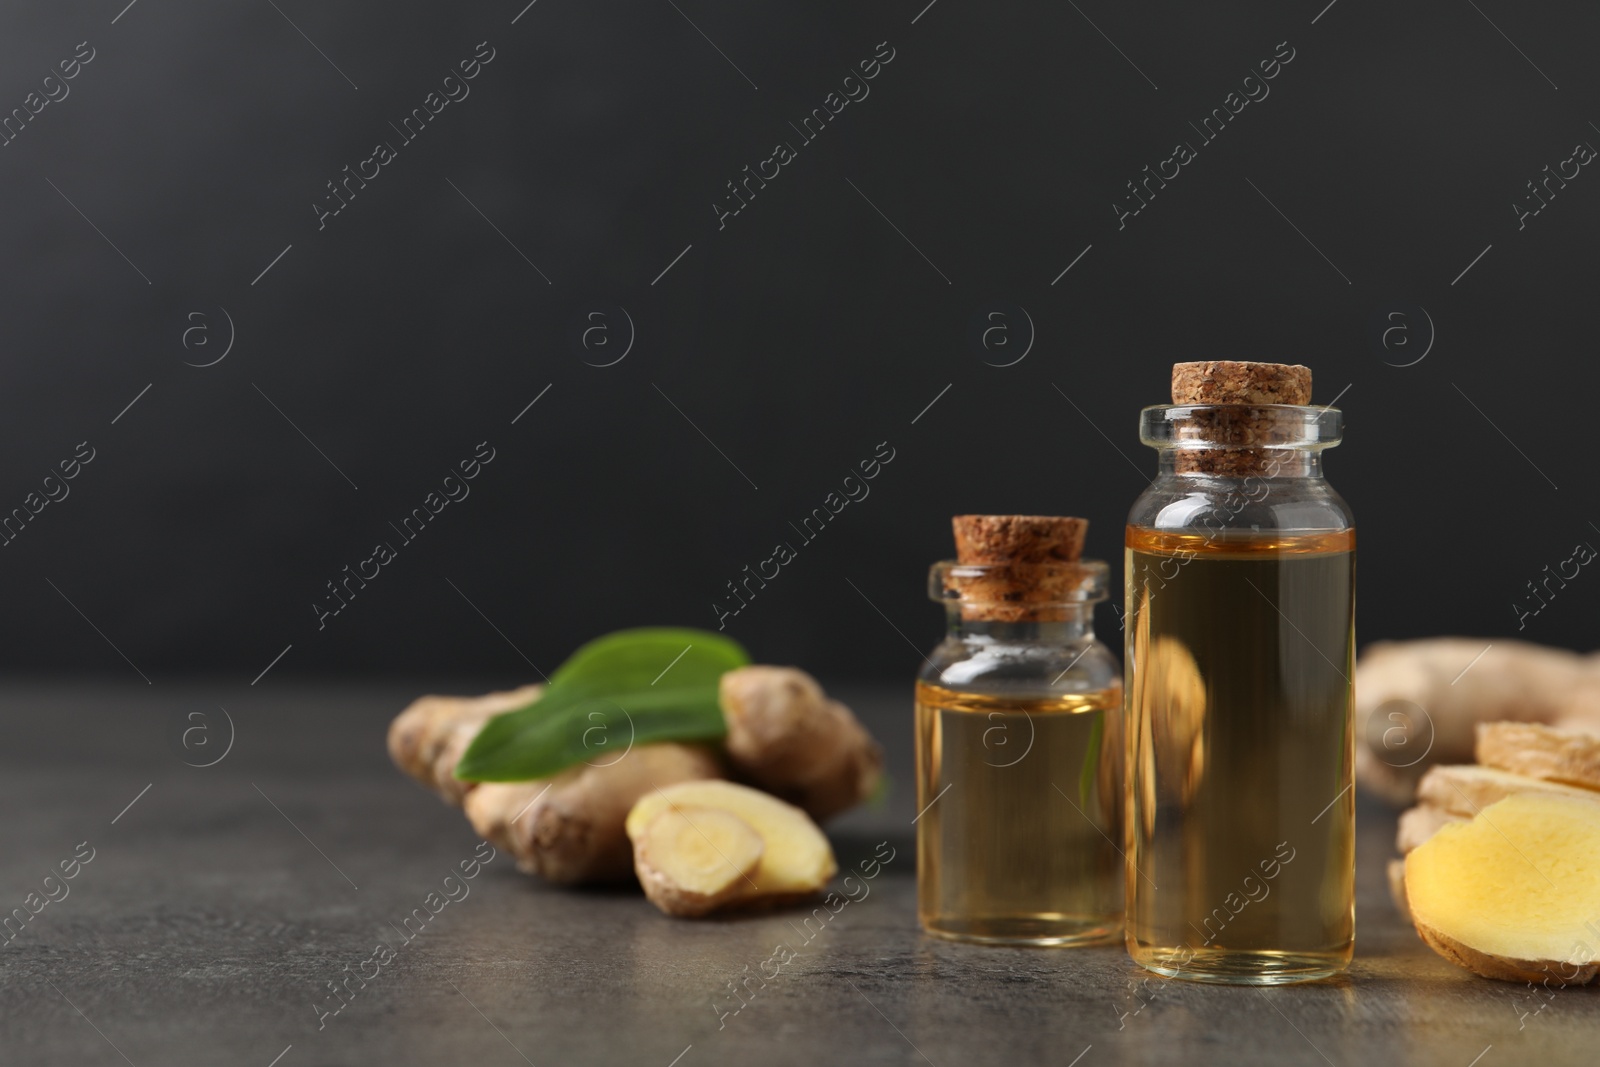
(1541, 752)
(692, 860)
(787, 737)
(1451, 796)
(795, 860)
(1417, 702)
(427, 739)
(784, 735)
(568, 829)
(1467, 789)
(1511, 894)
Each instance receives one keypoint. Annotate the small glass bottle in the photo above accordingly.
(1240, 648)
(1019, 747)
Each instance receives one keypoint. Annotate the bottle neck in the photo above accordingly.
(1257, 463)
(1073, 624)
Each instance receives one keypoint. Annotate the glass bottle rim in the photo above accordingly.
(1309, 427)
(1084, 581)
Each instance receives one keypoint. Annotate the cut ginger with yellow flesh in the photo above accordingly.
(674, 828)
(1514, 893)
(692, 860)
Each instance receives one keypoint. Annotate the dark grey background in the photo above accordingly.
(796, 339)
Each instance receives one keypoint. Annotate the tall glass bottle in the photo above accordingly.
(1019, 748)
(1240, 644)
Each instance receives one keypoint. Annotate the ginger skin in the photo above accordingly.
(691, 860)
(1480, 895)
(427, 739)
(795, 860)
(787, 737)
(784, 735)
(1541, 752)
(568, 829)
(1418, 702)
(1466, 789)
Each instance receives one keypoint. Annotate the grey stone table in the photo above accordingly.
(218, 907)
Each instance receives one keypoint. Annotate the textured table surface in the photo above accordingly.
(218, 907)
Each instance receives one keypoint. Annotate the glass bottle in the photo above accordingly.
(1240, 644)
(1019, 768)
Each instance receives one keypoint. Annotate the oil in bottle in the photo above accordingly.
(1019, 743)
(1240, 648)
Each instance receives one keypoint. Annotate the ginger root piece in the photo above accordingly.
(1468, 789)
(784, 735)
(569, 828)
(1511, 894)
(427, 739)
(1541, 752)
(692, 860)
(796, 859)
(1417, 702)
(787, 737)
(1420, 823)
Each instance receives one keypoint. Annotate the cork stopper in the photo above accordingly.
(1018, 538)
(1028, 565)
(1240, 388)
(1224, 381)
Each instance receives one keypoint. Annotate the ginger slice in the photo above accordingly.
(692, 860)
(1512, 893)
(1541, 752)
(1466, 790)
(796, 860)
(1420, 823)
(1417, 702)
(569, 828)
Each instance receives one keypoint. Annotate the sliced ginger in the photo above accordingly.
(1514, 893)
(795, 859)
(1420, 823)
(692, 860)
(1541, 752)
(568, 828)
(1417, 702)
(784, 735)
(1467, 789)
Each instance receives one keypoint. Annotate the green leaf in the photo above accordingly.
(533, 743)
(635, 659)
(629, 688)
